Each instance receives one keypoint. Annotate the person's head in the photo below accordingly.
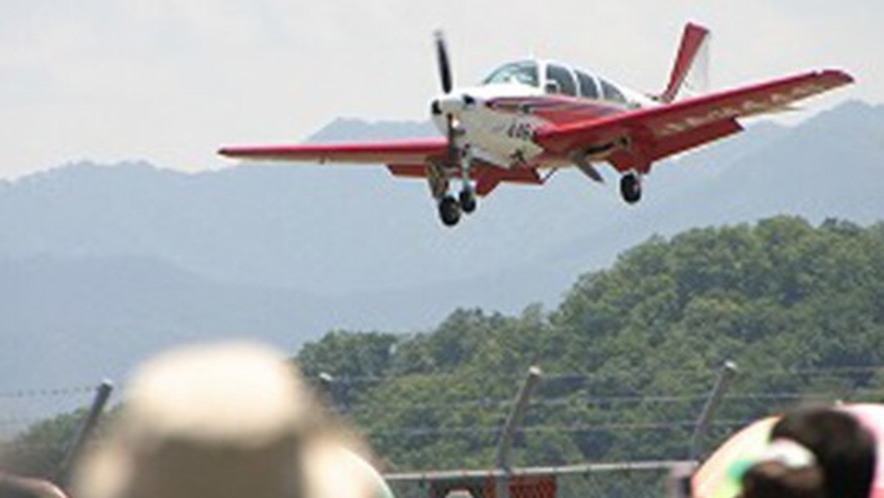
(13, 486)
(815, 452)
(772, 478)
(223, 421)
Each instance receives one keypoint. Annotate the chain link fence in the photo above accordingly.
(620, 480)
(23, 409)
(43, 430)
(601, 421)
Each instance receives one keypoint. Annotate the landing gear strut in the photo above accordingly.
(451, 207)
(631, 188)
(467, 196)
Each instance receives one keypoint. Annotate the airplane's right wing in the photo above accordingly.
(404, 158)
(398, 152)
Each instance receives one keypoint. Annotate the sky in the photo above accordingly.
(170, 81)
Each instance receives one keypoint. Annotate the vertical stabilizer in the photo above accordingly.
(691, 69)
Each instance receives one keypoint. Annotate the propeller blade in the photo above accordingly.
(444, 64)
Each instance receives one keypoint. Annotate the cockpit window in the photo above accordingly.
(560, 80)
(517, 72)
(588, 88)
(611, 93)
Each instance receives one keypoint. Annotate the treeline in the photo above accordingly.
(631, 353)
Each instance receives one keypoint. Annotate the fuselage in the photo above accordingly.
(498, 118)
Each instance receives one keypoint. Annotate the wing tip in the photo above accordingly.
(837, 76)
(238, 152)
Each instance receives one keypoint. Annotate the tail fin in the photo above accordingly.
(691, 69)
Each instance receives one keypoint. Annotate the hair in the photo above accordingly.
(775, 479)
(844, 453)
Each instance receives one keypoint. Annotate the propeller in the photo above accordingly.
(447, 85)
(444, 64)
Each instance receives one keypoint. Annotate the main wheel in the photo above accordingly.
(449, 211)
(631, 188)
(467, 199)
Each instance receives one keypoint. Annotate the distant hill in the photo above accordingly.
(141, 257)
(75, 321)
(631, 352)
(629, 357)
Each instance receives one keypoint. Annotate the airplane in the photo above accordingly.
(531, 117)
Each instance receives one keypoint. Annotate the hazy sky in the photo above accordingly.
(171, 80)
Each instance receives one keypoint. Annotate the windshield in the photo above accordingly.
(517, 72)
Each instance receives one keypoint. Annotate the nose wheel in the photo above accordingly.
(467, 200)
(449, 210)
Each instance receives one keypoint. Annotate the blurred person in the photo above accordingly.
(230, 420)
(814, 452)
(15, 486)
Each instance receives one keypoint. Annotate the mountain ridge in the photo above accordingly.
(290, 252)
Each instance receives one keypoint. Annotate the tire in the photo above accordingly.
(449, 211)
(467, 200)
(631, 188)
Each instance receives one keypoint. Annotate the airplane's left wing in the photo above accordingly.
(640, 137)
(391, 153)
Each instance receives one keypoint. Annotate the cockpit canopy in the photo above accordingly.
(556, 78)
(523, 72)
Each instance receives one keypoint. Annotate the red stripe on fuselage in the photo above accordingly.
(556, 109)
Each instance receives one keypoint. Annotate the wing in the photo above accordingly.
(406, 158)
(392, 153)
(638, 138)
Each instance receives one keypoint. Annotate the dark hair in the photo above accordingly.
(843, 448)
(776, 480)
(844, 452)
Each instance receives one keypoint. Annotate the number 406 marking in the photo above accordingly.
(520, 130)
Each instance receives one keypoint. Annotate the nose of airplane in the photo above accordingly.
(452, 103)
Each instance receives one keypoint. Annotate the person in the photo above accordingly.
(229, 420)
(814, 452)
(15, 486)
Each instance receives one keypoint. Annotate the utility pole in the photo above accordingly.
(102, 395)
(725, 376)
(513, 420)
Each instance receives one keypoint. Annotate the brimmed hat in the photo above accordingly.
(221, 421)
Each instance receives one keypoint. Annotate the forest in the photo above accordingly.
(629, 355)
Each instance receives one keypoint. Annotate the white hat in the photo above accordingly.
(224, 421)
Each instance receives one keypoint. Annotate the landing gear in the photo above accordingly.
(449, 210)
(631, 188)
(439, 176)
(467, 200)
(450, 207)
(467, 196)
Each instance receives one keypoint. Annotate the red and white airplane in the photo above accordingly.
(530, 118)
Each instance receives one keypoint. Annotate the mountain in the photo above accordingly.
(78, 320)
(831, 166)
(116, 261)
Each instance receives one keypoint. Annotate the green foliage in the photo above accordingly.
(41, 450)
(629, 355)
(781, 298)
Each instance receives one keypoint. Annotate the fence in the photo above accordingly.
(48, 447)
(647, 432)
(614, 480)
(22, 409)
